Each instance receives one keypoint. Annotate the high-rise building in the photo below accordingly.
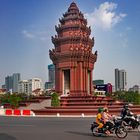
(9, 83)
(51, 73)
(117, 80)
(120, 80)
(51, 76)
(16, 79)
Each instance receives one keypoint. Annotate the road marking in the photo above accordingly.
(17, 125)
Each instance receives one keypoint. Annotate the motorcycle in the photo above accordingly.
(131, 122)
(117, 128)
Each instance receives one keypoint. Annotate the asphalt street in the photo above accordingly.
(44, 128)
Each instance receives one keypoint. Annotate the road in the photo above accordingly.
(41, 128)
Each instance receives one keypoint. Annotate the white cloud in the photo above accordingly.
(27, 34)
(105, 16)
(41, 35)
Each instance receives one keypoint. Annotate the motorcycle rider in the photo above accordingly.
(99, 119)
(126, 113)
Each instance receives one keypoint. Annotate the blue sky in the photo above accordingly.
(26, 27)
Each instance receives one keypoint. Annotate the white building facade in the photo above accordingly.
(34, 84)
(28, 86)
(23, 86)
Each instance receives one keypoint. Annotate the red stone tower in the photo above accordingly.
(72, 55)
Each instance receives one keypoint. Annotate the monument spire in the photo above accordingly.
(73, 6)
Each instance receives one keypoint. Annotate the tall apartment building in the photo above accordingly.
(51, 72)
(51, 76)
(16, 79)
(8, 83)
(120, 80)
(11, 82)
(28, 86)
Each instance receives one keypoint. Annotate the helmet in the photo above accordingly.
(125, 106)
(100, 109)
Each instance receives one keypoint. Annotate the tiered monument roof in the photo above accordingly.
(73, 35)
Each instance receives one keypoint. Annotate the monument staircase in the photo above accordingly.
(84, 105)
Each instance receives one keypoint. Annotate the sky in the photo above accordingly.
(26, 27)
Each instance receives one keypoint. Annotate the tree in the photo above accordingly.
(127, 96)
(55, 100)
(13, 100)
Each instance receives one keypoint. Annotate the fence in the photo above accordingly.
(16, 112)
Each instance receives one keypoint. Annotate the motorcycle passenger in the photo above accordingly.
(99, 119)
(107, 117)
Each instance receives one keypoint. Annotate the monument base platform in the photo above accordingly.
(85, 105)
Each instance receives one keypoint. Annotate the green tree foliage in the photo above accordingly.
(13, 99)
(127, 96)
(55, 100)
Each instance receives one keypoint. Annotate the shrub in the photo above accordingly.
(55, 100)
